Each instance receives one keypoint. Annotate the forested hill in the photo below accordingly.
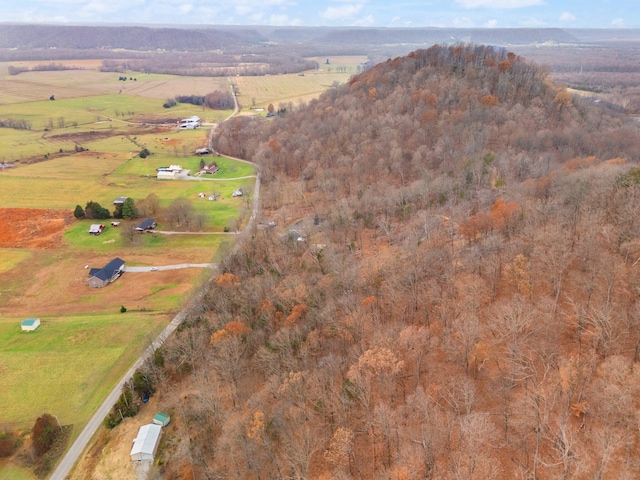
(451, 290)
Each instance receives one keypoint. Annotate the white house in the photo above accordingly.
(30, 324)
(146, 443)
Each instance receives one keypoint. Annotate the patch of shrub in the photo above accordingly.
(8, 444)
(43, 434)
(126, 406)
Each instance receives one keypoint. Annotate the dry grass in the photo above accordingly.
(295, 87)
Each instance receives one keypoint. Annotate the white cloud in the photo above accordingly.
(184, 9)
(279, 20)
(342, 11)
(464, 22)
(493, 23)
(567, 17)
(111, 6)
(244, 9)
(617, 23)
(499, 3)
(365, 22)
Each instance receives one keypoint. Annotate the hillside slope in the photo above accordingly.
(451, 290)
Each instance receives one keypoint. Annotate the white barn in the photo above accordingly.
(189, 123)
(170, 172)
(146, 443)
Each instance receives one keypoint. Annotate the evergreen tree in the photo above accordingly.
(78, 212)
(95, 210)
(129, 209)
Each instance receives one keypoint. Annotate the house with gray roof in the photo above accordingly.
(101, 277)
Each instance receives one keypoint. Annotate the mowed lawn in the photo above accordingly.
(68, 365)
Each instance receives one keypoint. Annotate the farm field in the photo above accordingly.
(35, 369)
(84, 146)
(44, 250)
(259, 92)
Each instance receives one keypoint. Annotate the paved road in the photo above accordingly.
(171, 232)
(170, 267)
(72, 455)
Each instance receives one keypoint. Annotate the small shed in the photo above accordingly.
(146, 443)
(30, 324)
(161, 419)
(96, 229)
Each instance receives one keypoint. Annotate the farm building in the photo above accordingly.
(101, 277)
(161, 419)
(210, 168)
(146, 443)
(96, 229)
(146, 225)
(30, 324)
(189, 123)
(120, 200)
(169, 172)
(202, 151)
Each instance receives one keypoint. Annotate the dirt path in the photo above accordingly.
(71, 457)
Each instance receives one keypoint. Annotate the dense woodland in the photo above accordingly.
(460, 298)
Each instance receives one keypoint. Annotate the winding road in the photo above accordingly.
(71, 457)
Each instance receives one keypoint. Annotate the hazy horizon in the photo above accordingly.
(360, 13)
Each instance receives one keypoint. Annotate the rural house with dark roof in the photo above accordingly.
(101, 277)
(146, 224)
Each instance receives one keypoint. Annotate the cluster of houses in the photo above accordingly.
(101, 277)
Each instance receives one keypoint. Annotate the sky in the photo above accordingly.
(363, 13)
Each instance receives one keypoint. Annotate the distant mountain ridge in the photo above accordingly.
(131, 38)
(204, 38)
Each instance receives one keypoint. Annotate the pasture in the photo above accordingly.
(259, 92)
(34, 366)
(82, 327)
(84, 345)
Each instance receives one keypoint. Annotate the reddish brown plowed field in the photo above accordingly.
(32, 228)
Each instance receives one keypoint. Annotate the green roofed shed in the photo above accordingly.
(30, 324)
(161, 419)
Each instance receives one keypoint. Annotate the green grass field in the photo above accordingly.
(13, 472)
(9, 258)
(72, 361)
(34, 366)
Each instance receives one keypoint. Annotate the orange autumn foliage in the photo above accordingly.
(236, 327)
(227, 280)
(296, 314)
(489, 101)
(218, 336)
(499, 215)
